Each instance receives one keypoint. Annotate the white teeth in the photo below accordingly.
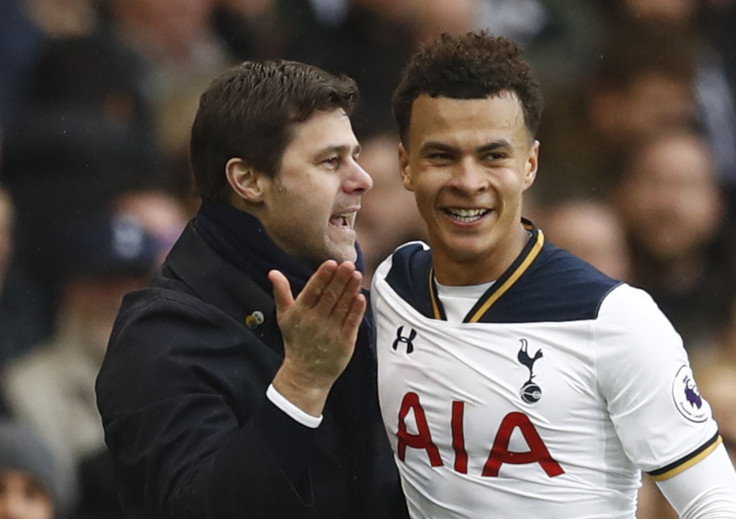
(467, 212)
(466, 215)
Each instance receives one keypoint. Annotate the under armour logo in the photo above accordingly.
(530, 392)
(405, 340)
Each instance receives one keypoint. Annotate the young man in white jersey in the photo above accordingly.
(515, 379)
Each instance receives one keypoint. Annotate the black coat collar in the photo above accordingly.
(221, 284)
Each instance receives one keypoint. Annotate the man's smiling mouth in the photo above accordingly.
(465, 215)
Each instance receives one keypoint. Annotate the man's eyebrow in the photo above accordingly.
(340, 150)
(491, 146)
(436, 145)
(495, 145)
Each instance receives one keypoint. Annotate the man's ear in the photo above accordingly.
(405, 168)
(532, 164)
(245, 180)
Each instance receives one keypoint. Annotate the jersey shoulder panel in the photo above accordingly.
(557, 287)
(544, 284)
(408, 271)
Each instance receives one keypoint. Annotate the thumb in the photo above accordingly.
(281, 290)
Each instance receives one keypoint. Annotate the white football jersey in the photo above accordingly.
(556, 390)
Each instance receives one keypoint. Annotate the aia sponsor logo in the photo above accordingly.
(414, 434)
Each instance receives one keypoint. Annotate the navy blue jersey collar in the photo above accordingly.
(520, 265)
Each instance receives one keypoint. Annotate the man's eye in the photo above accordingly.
(493, 157)
(332, 161)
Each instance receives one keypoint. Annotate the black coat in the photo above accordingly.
(192, 435)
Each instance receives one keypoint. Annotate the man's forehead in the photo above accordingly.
(323, 130)
(495, 119)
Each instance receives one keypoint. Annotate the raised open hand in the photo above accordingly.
(319, 328)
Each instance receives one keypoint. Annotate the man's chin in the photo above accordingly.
(341, 244)
(344, 251)
(338, 252)
(349, 254)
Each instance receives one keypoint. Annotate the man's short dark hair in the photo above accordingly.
(475, 65)
(249, 112)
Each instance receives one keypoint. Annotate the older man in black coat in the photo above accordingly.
(223, 394)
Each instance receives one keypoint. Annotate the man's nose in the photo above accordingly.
(469, 177)
(357, 180)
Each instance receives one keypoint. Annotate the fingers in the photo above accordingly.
(281, 290)
(320, 326)
(316, 285)
(332, 294)
(332, 288)
(346, 300)
(354, 317)
(337, 297)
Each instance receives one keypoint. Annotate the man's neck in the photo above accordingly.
(479, 269)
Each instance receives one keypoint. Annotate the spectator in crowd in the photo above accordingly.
(713, 91)
(591, 229)
(20, 320)
(643, 83)
(161, 214)
(673, 211)
(52, 388)
(82, 135)
(92, 73)
(181, 51)
(31, 486)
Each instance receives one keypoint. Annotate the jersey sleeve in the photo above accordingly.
(645, 378)
(706, 490)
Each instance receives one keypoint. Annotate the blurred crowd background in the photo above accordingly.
(637, 176)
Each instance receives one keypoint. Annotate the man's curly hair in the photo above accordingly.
(475, 65)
